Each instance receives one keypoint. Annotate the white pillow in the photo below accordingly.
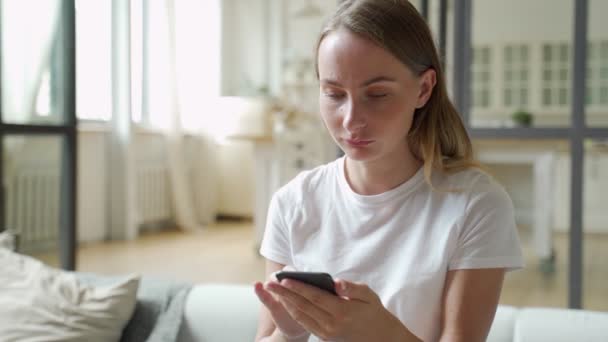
(40, 303)
(7, 240)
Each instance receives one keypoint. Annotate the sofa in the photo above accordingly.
(221, 312)
(148, 309)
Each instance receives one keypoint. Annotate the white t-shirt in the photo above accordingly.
(401, 243)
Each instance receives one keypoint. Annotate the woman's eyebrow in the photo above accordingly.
(364, 84)
(378, 79)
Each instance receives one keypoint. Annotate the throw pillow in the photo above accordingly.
(40, 303)
(7, 240)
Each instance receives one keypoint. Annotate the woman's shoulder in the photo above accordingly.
(472, 194)
(471, 182)
(310, 181)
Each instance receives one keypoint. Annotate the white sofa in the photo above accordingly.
(228, 313)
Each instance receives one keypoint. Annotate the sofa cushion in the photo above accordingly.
(560, 325)
(220, 313)
(40, 303)
(159, 311)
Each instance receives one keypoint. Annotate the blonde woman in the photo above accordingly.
(416, 235)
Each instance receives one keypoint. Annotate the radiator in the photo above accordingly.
(33, 201)
(153, 195)
(32, 207)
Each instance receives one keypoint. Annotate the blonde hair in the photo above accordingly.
(437, 137)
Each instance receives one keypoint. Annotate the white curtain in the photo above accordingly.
(121, 204)
(192, 87)
(177, 87)
(29, 28)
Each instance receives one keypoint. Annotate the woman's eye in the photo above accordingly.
(378, 95)
(334, 95)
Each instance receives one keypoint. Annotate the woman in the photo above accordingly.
(417, 236)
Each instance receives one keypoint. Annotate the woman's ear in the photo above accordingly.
(427, 80)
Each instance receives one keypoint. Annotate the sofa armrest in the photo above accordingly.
(220, 313)
(560, 325)
(503, 324)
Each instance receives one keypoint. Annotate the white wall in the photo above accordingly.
(244, 46)
(498, 21)
(259, 36)
(91, 197)
(236, 184)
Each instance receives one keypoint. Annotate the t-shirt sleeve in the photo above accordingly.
(275, 244)
(488, 236)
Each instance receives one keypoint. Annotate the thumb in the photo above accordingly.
(357, 291)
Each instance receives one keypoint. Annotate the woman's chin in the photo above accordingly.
(358, 154)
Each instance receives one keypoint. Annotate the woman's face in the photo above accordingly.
(368, 97)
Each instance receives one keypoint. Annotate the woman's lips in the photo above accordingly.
(358, 143)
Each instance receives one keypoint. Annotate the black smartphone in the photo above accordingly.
(323, 281)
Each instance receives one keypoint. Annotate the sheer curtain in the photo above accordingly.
(191, 90)
(165, 81)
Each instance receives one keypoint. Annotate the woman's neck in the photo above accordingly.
(378, 176)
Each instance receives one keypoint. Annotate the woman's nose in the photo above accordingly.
(354, 120)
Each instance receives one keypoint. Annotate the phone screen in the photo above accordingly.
(323, 281)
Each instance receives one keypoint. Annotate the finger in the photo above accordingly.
(302, 303)
(278, 312)
(303, 318)
(356, 291)
(320, 298)
(273, 276)
(266, 297)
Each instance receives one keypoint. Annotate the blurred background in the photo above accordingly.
(148, 135)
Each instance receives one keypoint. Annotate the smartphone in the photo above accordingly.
(323, 281)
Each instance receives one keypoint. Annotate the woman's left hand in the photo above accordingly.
(356, 314)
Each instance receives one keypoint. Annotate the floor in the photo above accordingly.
(225, 253)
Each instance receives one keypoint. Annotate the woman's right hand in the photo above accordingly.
(290, 329)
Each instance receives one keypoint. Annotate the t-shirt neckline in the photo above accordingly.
(401, 190)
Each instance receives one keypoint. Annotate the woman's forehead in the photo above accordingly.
(343, 53)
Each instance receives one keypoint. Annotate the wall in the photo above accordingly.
(236, 183)
(497, 21)
(91, 197)
(244, 46)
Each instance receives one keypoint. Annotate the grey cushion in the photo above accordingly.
(158, 311)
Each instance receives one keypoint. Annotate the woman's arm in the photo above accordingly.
(470, 299)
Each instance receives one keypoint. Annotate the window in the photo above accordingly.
(556, 75)
(190, 72)
(597, 73)
(93, 59)
(197, 45)
(480, 70)
(516, 76)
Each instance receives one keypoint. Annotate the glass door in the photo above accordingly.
(38, 128)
